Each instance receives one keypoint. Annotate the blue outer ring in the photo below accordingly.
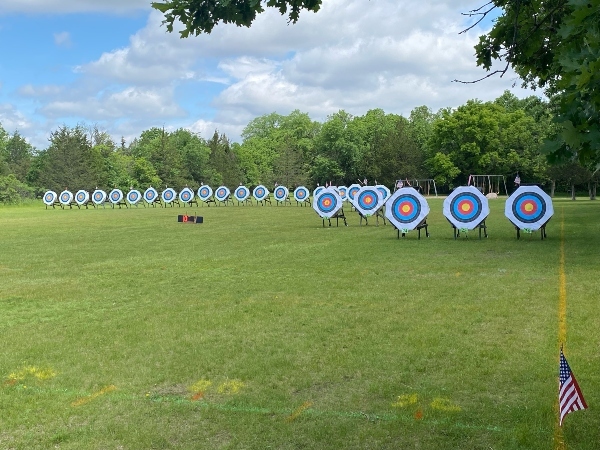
(531, 196)
(324, 209)
(397, 213)
(365, 206)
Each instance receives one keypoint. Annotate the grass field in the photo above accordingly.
(123, 329)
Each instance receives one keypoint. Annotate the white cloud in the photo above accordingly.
(62, 39)
(71, 6)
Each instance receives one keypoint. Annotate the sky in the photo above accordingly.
(112, 64)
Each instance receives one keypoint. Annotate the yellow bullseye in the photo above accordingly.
(529, 207)
(406, 209)
(465, 207)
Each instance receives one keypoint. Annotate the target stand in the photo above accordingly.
(377, 215)
(419, 227)
(337, 216)
(530, 232)
(53, 204)
(264, 201)
(86, 203)
(283, 202)
(481, 226)
(153, 203)
(225, 201)
(119, 203)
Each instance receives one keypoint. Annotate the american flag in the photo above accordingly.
(570, 397)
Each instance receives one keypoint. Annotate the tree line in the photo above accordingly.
(500, 137)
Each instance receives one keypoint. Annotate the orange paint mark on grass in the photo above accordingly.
(95, 395)
(303, 407)
(197, 396)
(419, 414)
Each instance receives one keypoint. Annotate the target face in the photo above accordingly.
(186, 195)
(82, 197)
(241, 193)
(260, 192)
(406, 208)
(281, 193)
(204, 193)
(49, 198)
(168, 195)
(65, 197)
(115, 196)
(529, 207)
(301, 194)
(150, 195)
(327, 203)
(368, 200)
(134, 196)
(466, 207)
(222, 193)
(98, 196)
(343, 191)
(318, 190)
(352, 191)
(385, 192)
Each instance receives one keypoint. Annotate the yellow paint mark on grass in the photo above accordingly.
(230, 387)
(303, 407)
(31, 371)
(200, 385)
(444, 404)
(559, 439)
(95, 395)
(405, 400)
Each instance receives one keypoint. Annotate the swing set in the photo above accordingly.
(425, 186)
(488, 183)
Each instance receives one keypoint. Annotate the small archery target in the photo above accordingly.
(260, 192)
(327, 203)
(168, 195)
(385, 192)
(301, 194)
(49, 197)
(352, 191)
(343, 191)
(204, 193)
(241, 193)
(98, 196)
(150, 195)
(222, 193)
(81, 197)
(65, 197)
(134, 196)
(466, 207)
(368, 200)
(406, 208)
(317, 190)
(115, 196)
(529, 207)
(186, 195)
(281, 193)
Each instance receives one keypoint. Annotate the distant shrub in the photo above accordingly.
(13, 191)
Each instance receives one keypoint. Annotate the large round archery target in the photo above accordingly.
(65, 197)
(222, 193)
(301, 194)
(368, 200)
(49, 197)
(317, 190)
(260, 192)
(186, 195)
(150, 195)
(204, 193)
(134, 196)
(168, 195)
(466, 207)
(115, 196)
(281, 193)
(343, 191)
(385, 192)
(81, 197)
(327, 203)
(406, 208)
(529, 207)
(98, 196)
(352, 191)
(241, 193)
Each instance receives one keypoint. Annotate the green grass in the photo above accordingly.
(299, 336)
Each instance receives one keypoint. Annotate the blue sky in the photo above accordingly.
(111, 64)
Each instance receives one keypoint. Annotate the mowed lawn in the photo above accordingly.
(123, 329)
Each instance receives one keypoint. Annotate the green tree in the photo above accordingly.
(18, 155)
(12, 190)
(224, 162)
(200, 16)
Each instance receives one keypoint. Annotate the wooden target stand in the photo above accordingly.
(54, 204)
(379, 213)
(122, 202)
(247, 201)
(337, 216)
(172, 203)
(89, 202)
(481, 226)
(283, 202)
(542, 231)
(307, 201)
(264, 201)
(225, 202)
(422, 224)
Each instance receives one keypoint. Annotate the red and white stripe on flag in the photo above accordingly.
(570, 397)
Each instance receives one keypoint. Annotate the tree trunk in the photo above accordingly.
(590, 190)
(552, 187)
(572, 191)
(593, 197)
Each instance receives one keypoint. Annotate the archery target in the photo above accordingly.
(241, 193)
(352, 191)
(98, 196)
(368, 200)
(65, 197)
(260, 192)
(327, 203)
(81, 197)
(529, 207)
(115, 196)
(406, 208)
(301, 194)
(186, 195)
(281, 193)
(466, 207)
(150, 195)
(317, 190)
(204, 193)
(134, 196)
(343, 191)
(385, 192)
(49, 198)
(222, 193)
(168, 195)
